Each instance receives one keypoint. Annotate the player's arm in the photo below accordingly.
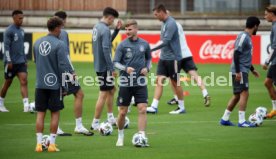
(272, 55)
(147, 67)
(7, 45)
(170, 29)
(117, 29)
(106, 50)
(117, 61)
(255, 72)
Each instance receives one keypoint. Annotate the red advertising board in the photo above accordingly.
(217, 49)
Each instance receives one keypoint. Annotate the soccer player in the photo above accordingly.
(270, 81)
(133, 59)
(72, 84)
(241, 65)
(188, 65)
(169, 60)
(15, 61)
(103, 65)
(51, 63)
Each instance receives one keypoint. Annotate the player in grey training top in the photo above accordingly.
(270, 16)
(242, 63)
(73, 85)
(51, 65)
(15, 62)
(168, 65)
(103, 65)
(133, 59)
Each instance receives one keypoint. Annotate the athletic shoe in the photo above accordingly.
(178, 111)
(152, 110)
(207, 100)
(38, 148)
(3, 109)
(53, 148)
(61, 133)
(172, 102)
(271, 114)
(120, 142)
(95, 126)
(26, 109)
(246, 124)
(226, 123)
(83, 130)
(112, 121)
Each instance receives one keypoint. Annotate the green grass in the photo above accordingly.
(193, 135)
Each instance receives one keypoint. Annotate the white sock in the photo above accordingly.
(154, 103)
(241, 116)
(78, 122)
(121, 133)
(204, 92)
(1, 101)
(39, 138)
(95, 121)
(175, 97)
(26, 102)
(226, 115)
(53, 138)
(110, 116)
(274, 104)
(181, 104)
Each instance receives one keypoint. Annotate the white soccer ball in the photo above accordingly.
(127, 122)
(45, 142)
(256, 119)
(105, 129)
(261, 111)
(139, 140)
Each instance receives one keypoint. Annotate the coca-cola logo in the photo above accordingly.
(210, 50)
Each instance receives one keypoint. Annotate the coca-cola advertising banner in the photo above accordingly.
(217, 49)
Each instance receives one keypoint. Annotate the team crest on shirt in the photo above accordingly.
(15, 37)
(128, 53)
(141, 48)
(120, 100)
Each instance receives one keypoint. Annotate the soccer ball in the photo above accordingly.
(45, 142)
(256, 119)
(139, 140)
(262, 111)
(32, 107)
(105, 128)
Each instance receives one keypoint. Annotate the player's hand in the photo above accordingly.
(238, 76)
(265, 67)
(144, 71)
(10, 66)
(119, 24)
(130, 70)
(114, 73)
(256, 73)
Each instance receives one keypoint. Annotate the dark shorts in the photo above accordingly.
(72, 86)
(242, 85)
(187, 64)
(16, 68)
(106, 80)
(140, 94)
(272, 73)
(48, 99)
(168, 68)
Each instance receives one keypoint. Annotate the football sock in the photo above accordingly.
(204, 92)
(154, 103)
(175, 97)
(96, 121)
(121, 133)
(241, 116)
(79, 122)
(26, 102)
(1, 101)
(39, 138)
(274, 104)
(53, 138)
(226, 115)
(181, 104)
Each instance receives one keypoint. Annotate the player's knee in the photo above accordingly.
(123, 114)
(142, 110)
(80, 94)
(267, 84)
(24, 81)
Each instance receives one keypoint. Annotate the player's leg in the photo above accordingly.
(109, 103)
(22, 76)
(174, 100)
(7, 83)
(39, 130)
(243, 104)
(270, 79)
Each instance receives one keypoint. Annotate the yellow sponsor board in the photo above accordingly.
(81, 45)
